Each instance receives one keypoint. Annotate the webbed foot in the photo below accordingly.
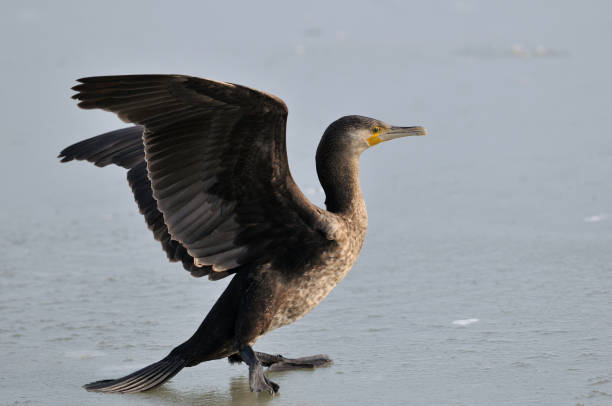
(257, 380)
(287, 364)
(259, 383)
(280, 363)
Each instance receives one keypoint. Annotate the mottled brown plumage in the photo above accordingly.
(207, 164)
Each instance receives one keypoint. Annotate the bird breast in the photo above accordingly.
(303, 293)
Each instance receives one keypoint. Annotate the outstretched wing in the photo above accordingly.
(216, 159)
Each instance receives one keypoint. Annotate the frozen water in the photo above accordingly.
(496, 214)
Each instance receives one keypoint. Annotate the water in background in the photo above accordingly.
(485, 277)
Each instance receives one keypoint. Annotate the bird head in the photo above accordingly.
(358, 133)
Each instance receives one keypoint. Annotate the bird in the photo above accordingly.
(207, 164)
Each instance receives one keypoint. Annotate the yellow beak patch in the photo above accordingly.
(374, 139)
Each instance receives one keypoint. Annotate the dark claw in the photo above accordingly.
(274, 386)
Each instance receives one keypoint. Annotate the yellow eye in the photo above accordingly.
(375, 130)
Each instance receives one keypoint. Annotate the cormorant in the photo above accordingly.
(207, 164)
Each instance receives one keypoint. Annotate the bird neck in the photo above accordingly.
(340, 181)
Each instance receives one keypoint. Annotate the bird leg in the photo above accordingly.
(257, 380)
(280, 363)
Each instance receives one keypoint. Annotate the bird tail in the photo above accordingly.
(142, 380)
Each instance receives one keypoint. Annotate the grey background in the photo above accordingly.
(501, 214)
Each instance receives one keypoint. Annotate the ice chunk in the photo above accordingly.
(596, 218)
(464, 322)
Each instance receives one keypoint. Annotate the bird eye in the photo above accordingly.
(375, 130)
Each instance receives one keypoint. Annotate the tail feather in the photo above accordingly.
(142, 380)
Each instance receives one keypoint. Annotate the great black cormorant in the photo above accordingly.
(207, 164)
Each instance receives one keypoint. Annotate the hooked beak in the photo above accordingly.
(396, 132)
